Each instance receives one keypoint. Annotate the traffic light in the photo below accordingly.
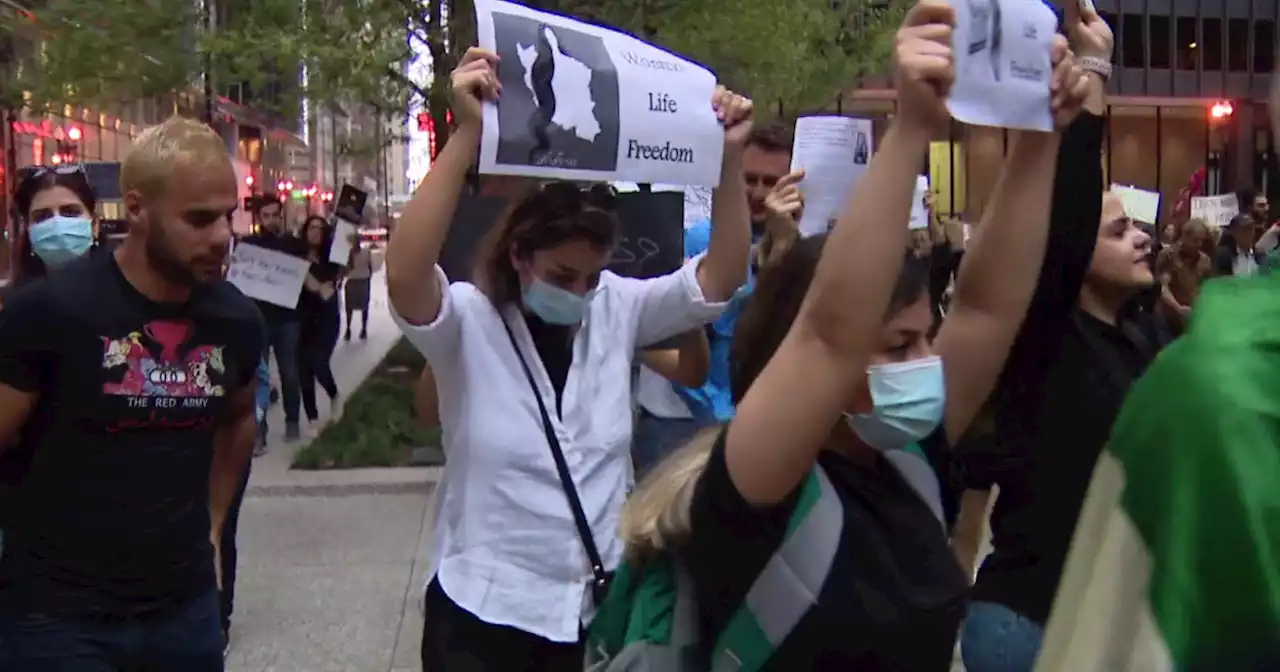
(67, 148)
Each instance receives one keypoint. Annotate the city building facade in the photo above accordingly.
(1189, 91)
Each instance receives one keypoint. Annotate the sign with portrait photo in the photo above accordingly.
(582, 102)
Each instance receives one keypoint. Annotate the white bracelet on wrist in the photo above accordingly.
(1098, 66)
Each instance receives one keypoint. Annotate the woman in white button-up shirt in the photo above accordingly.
(510, 584)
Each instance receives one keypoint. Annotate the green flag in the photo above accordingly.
(1175, 564)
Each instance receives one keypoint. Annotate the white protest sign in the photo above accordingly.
(920, 214)
(267, 275)
(1216, 211)
(1003, 63)
(1140, 205)
(340, 250)
(833, 152)
(582, 102)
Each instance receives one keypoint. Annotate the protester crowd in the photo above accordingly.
(780, 456)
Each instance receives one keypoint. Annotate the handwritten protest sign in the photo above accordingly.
(1140, 205)
(586, 103)
(919, 213)
(833, 152)
(267, 275)
(1003, 63)
(1216, 211)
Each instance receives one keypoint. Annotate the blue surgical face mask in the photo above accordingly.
(60, 239)
(908, 399)
(555, 305)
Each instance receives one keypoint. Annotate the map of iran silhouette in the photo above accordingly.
(652, 241)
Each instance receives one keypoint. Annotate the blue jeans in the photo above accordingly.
(184, 637)
(655, 438)
(282, 338)
(997, 639)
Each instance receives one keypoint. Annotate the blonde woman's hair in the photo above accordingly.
(157, 151)
(656, 517)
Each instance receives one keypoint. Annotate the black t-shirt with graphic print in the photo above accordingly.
(110, 518)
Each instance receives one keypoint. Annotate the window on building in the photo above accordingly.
(1264, 46)
(1133, 41)
(1187, 37)
(1161, 41)
(1212, 29)
(1238, 45)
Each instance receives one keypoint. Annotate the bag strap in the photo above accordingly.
(598, 573)
(790, 583)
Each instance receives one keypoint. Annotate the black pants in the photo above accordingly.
(227, 596)
(315, 349)
(453, 640)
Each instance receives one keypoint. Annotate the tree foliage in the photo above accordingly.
(800, 53)
(101, 52)
(354, 52)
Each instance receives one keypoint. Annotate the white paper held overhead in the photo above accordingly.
(919, 213)
(833, 152)
(340, 250)
(1216, 211)
(583, 102)
(1140, 205)
(1003, 63)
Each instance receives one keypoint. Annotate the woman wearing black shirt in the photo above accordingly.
(319, 317)
(831, 366)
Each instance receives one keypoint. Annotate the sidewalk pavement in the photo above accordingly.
(331, 562)
(352, 363)
(330, 583)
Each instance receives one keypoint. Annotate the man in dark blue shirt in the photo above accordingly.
(283, 332)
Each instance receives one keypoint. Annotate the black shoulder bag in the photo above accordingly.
(600, 578)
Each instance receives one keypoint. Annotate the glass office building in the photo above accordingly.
(1190, 89)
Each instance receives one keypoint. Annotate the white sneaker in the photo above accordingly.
(335, 408)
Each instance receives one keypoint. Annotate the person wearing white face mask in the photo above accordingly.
(812, 531)
(533, 367)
